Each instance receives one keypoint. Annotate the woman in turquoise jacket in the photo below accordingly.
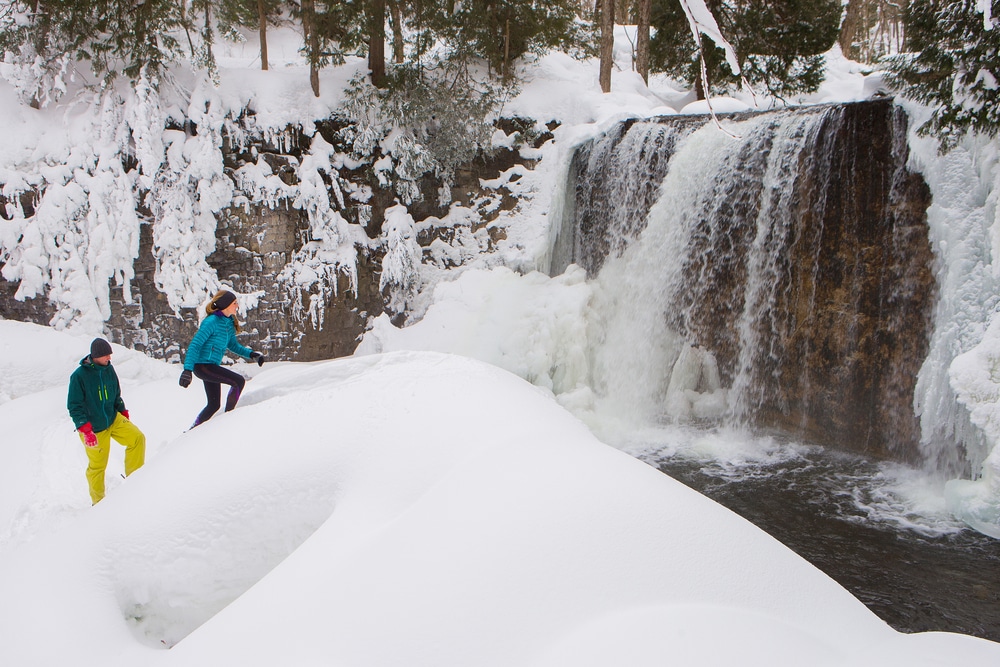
(217, 334)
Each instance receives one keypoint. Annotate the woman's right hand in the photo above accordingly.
(185, 378)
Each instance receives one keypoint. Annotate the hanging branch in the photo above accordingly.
(702, 22)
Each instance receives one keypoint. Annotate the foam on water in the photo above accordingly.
(885, 495)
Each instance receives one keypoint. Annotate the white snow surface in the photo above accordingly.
(409, 508)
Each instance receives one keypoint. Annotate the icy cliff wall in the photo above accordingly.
(145, 201)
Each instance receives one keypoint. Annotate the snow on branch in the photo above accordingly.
(331, 250)
(985, 7)
(189, 189)
(702, 22)
(83, 231)
(401, 266)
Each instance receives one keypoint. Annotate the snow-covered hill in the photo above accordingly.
(412, 508)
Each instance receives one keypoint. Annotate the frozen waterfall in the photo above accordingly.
(783, 279)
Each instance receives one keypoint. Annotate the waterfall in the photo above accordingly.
(781, 279)
(615, 182)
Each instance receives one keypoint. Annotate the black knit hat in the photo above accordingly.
(224, 301)
(99, 348)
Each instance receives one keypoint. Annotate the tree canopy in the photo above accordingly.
(950, 59)
(779, 43)
(952, 64)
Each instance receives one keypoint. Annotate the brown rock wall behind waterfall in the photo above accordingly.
(840, 346)
(857, 327)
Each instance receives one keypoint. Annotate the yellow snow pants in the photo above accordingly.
(124, 433)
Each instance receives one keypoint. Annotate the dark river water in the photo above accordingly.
(918, 570)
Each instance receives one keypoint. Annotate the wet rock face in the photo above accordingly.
(844, 332)
(852, 321)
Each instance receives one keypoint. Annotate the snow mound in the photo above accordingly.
(412, 508)
(718, 105)
(33, 358)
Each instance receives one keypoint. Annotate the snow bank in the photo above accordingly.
(533, 326)
(374, 511)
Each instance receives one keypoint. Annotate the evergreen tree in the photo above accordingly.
(952, 64)
(779, 44)
(439, 114)
(112, 37)
(501, 31)
(121, 37)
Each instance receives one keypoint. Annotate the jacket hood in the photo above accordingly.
(88, 362)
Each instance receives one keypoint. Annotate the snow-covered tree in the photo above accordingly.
(83, 231)
(400, 267)
(433, 120)
(952, 64)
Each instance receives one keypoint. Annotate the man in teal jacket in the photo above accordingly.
(98, 411)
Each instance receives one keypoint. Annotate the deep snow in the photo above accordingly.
(409, 508)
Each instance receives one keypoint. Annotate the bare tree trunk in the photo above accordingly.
(184, 22)
(506, 50)
(376, 43)
(622, 9)
(642, 39)
(40, 16)
(850, 27)
(262, 28)
(396, 17)
(312, 42)
(607, 43)
(207, 39)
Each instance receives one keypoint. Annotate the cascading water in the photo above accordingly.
(615, 182)
(781, 279)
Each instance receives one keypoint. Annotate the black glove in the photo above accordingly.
(185, 379)
(258, 357)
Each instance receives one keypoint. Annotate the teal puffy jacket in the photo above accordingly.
(216, 334)
(94, 395)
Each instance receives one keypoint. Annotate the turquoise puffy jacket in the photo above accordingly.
(216, 334)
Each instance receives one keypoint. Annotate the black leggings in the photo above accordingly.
(214, 377)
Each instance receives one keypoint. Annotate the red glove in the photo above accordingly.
(125, 414)
(89, 437)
